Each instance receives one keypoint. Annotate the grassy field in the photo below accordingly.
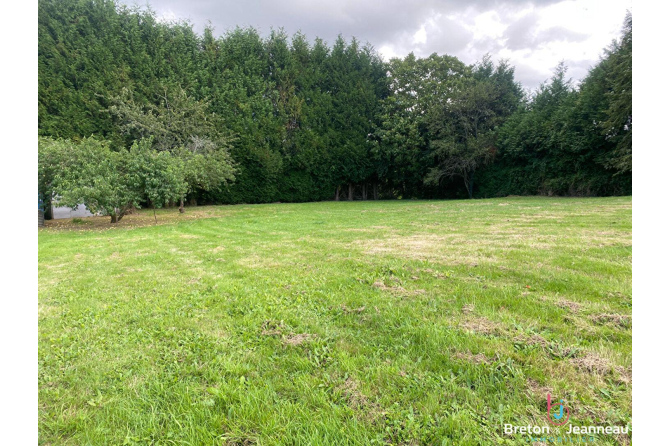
(391, 322)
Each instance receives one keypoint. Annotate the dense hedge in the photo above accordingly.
(309, 117)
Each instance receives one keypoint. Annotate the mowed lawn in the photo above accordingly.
(387, 322)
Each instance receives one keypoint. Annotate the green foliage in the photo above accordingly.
(182, 127)
(565, 142)
(51, 158)
(618, 126)
(89, 173)
(206, 165)
(463, 129)
(110, 182)
(401, 140)
(294, 120)
(159, 175)
(176, 121)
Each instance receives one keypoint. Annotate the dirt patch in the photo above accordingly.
(582, 325)
(355, 399)
(572, 307)
(353, 395)
(592, 363)
(396, 289)
(218, 248)
(619, 320)
(597, 365)
(536, 388)
(553, 349)
(467, 309)
(139, 219)
(297, 339)
(382, 286)
(238, 441)
(481, 325)
(625, 374)
(479, 358)
(623, 439)
(280, 330)
(533, 339)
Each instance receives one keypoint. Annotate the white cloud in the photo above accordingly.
(420, 36)
(167, 16)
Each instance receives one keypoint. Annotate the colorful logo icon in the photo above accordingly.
(557, 413)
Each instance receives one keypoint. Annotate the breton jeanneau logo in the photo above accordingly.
(557, 413)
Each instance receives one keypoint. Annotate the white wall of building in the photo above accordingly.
(66, 212)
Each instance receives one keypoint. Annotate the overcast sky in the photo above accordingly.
(534, 35)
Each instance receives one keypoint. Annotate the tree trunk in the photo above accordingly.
(375, 193)
(48, 209)
(469, 183)
(365, 192)
(181, 205)
(351, 192)
(155, 219)
(337, 194)
(115, 218)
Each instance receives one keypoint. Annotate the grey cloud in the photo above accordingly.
(382, 23)
(446, 36)
(578, 69)
(376, 21)
(483, 46)
(559, 33)
(529, 76)
(519, 34)
(524, 33)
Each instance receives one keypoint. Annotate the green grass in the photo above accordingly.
(391, 322)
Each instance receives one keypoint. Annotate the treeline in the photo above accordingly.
(293, 120)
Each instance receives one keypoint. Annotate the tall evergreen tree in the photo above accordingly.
(312, 119)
